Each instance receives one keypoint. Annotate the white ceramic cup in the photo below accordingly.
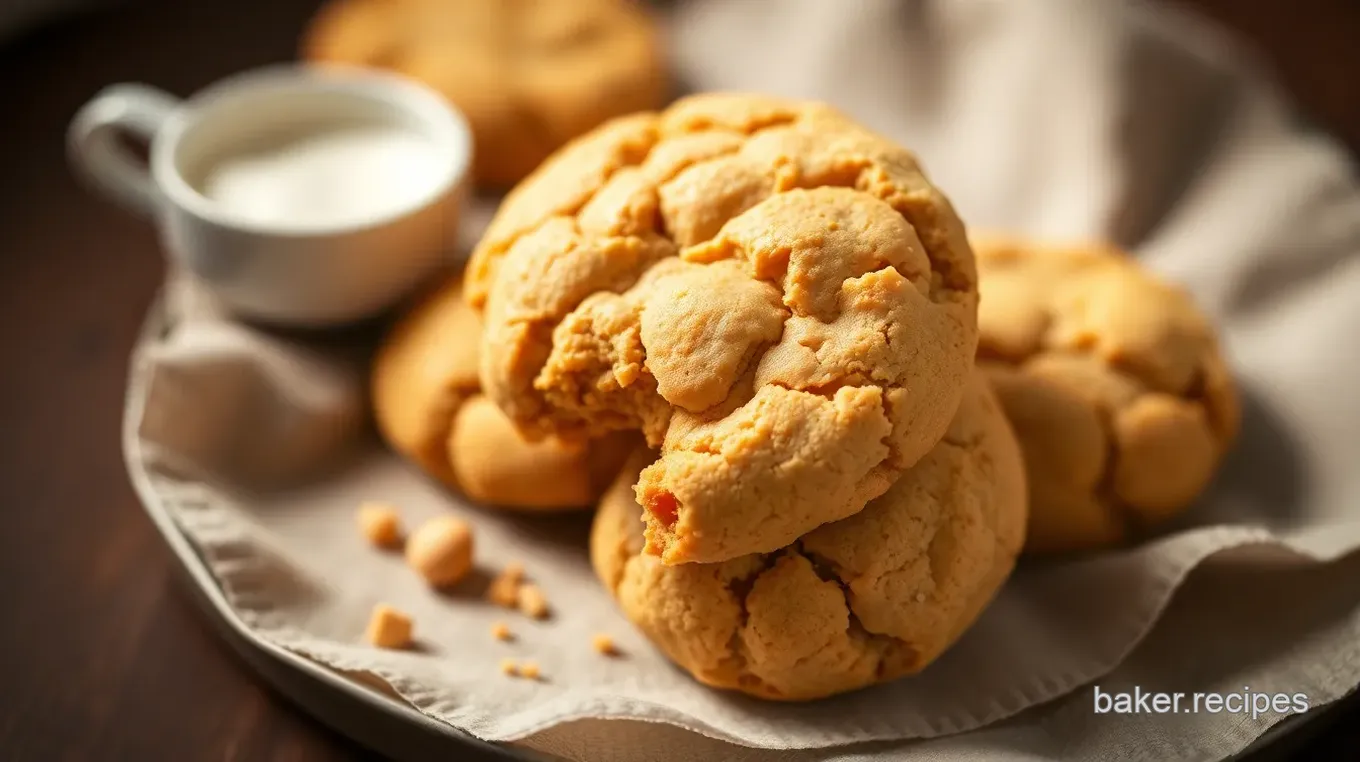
(289, 274)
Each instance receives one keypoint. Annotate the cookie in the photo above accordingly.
(866, 599)
(429, 408)
(774, 295)
(529, 75)
(1114, 382)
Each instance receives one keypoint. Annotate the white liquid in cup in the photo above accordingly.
(346, 175)
(293, 195)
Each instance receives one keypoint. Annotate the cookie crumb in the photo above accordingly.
(509, 668)
(379, 524)
(529, 669)
(501, 631)
(604, 644)
(504, 589)
(532, 601)
(441, 550)
(389, 628)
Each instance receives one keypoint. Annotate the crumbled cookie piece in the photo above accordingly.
(504, 589)
(389, 628)
(533, 602)
(441, 550)
(604, 644)
(380, 524)
(501, 631)
(509, 667)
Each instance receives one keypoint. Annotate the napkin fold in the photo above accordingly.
(1065, 118)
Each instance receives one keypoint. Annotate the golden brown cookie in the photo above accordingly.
(868, 598)
(429, 408)
(528, 74)
(1113, 381)
(775, 296)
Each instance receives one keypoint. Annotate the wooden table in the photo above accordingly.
(102, 656)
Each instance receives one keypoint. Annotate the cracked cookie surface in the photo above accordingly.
(776, 297)
(1113, 381)
(429, 408)
(529, 75)
(866, 599)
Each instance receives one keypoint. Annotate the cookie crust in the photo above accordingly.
(776, 297)
(429, 408)
(1114, 382)
(870, 598)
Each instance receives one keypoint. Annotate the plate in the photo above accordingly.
(385, 723)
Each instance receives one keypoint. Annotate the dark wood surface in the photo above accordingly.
(102, 655)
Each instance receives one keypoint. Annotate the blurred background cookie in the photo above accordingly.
(429, 408)
(529, 75)
(1114, 382)
(866, 599)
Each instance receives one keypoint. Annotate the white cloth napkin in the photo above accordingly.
(1052, 117)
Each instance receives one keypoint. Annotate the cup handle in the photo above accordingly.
(93, 147)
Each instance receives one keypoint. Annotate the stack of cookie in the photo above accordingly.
(783, 313)
(786, 309)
